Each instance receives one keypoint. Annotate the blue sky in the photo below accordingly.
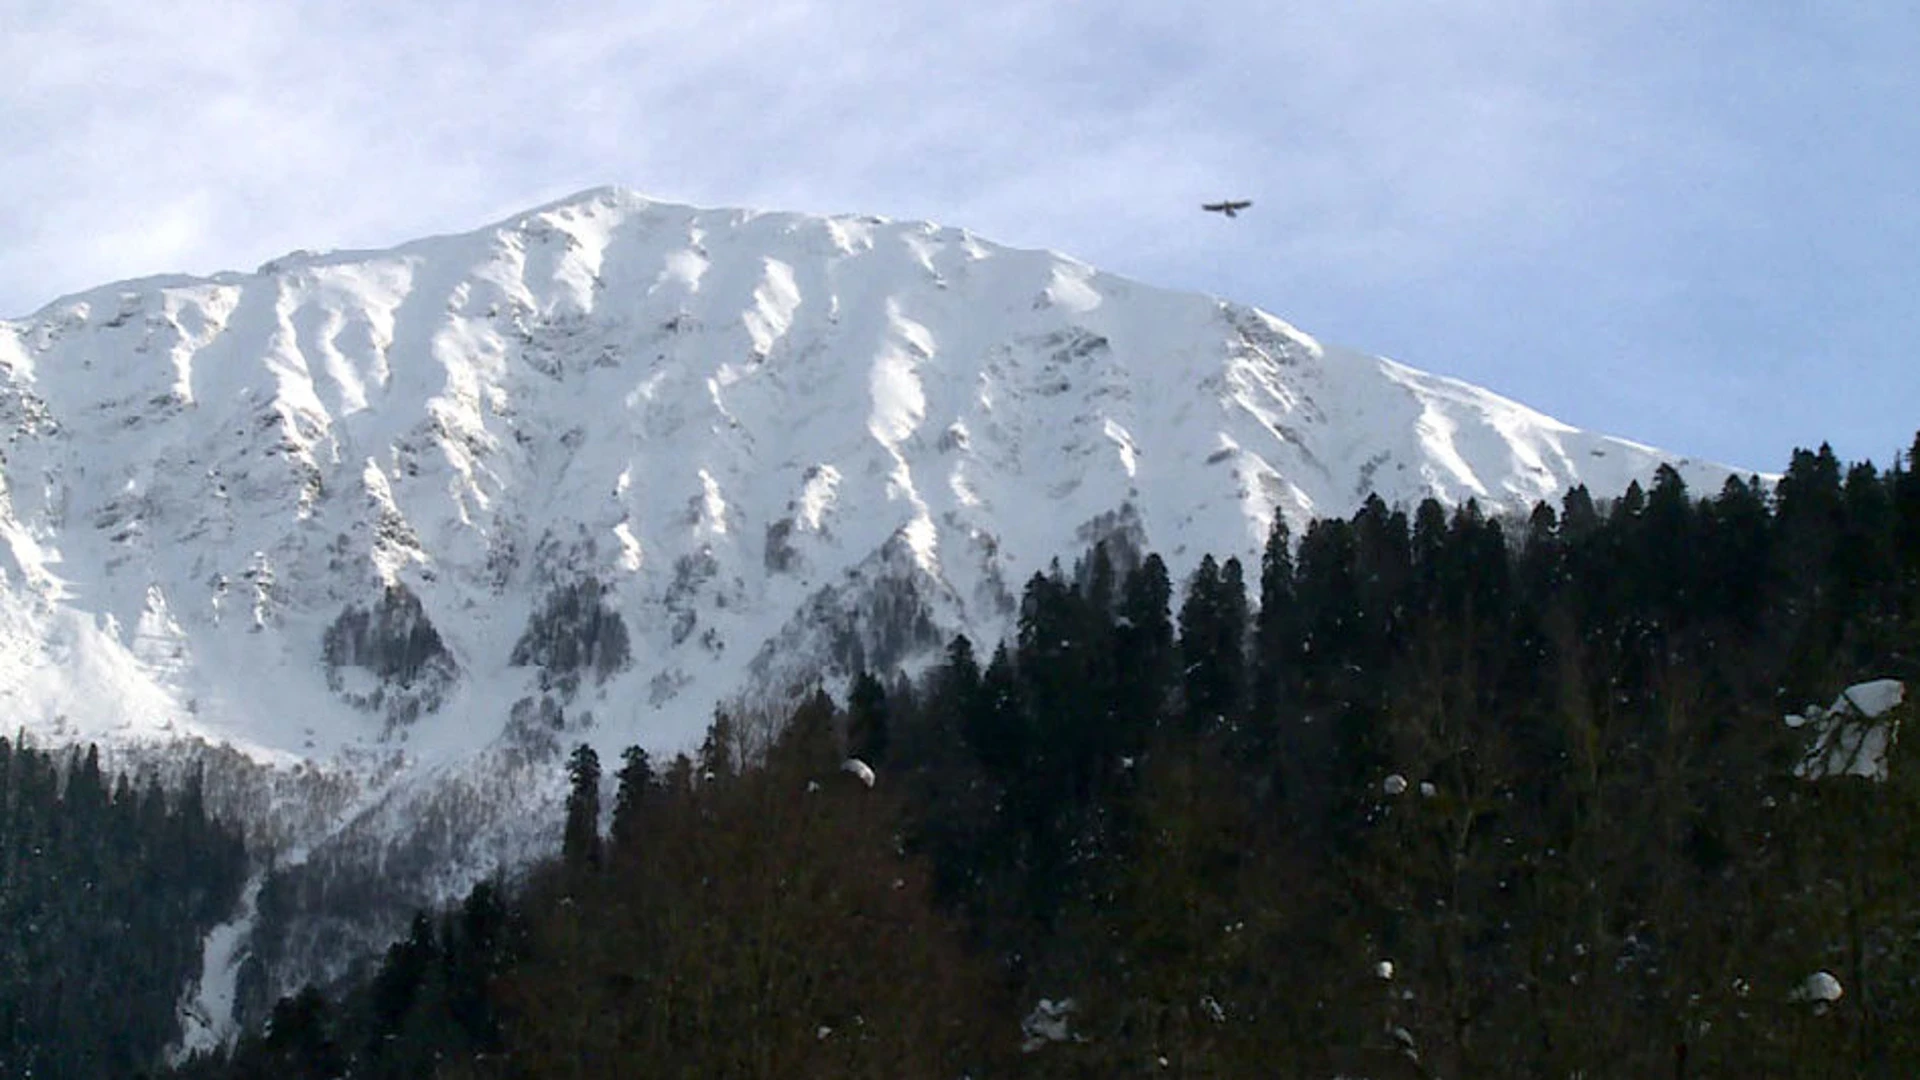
(1694, 225)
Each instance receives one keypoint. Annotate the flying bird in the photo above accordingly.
(1231, 208)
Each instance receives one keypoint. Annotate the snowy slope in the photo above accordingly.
(716, 413)
(312, 511)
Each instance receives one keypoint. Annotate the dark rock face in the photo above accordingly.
(876, 619)
(575, 633)
(406, 668)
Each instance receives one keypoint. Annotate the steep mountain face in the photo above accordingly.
(400, 525)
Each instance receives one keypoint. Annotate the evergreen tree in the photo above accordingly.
(1665, 558)
(996, 728)
(1383, 580)
(718, 758)
(1904, 483)
(808, 746)
(1213, 629)
(1230, 642)
(1809, 515)
(1144, 657)
(937, 739)
(581, 846)
(949, 797)
(300, 1042)
(1578, 516)
(637, 789)
(679, 777)
(1543, 557)
(1328, 597)
(1276, 647)
(400, 981)
(867, 720)
(1052, 665)
(477, 946)
(1864, 574)
(1429, 553)
(1101, 582)
(1737, 554)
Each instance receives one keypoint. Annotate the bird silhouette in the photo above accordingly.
(1230, 207)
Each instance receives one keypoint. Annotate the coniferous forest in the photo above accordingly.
(107, 892)
(1425, 793)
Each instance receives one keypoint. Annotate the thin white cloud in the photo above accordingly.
(1375, 136)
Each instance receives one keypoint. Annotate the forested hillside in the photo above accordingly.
(106, 894)
(1423, 794)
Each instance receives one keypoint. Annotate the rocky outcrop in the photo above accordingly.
(388, 657)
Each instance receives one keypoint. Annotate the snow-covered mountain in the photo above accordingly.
(402, 523)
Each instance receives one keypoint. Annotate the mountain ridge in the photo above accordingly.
(339, 366)
(399, 525)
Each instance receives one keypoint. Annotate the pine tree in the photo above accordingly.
(934, 737)
(300, 1042)
(1904, 484)
(1213, 628)
(1052, 663)
(718, 758)
(1329, 604)
(1542, 570)
(1736, 557)
(637, 790)
(1429, 554)
(1276, 647)
(868, 720)
(1665, 549)
(807, 746)
(1101, 587)
(1144, 657)
(950, 800)
(1809, 515)
(581, 842)
(1230, 642)
(1864, 568)
(996, 725)
(1382, 570)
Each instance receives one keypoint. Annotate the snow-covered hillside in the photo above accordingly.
(417, 518)
(721, 417)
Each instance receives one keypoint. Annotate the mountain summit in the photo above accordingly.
(333, 502)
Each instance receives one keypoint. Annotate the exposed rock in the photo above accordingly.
(388, 658)
(574, 633)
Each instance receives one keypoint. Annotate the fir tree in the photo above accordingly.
(868, 732)
(1213, 628)
(718, 758)
(808, 745)
(1276, 647)
(581, 843)
(1144, 656)
(637, 789)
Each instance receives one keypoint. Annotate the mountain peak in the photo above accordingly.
(591, 472)
(599, 199)
(715, 414)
